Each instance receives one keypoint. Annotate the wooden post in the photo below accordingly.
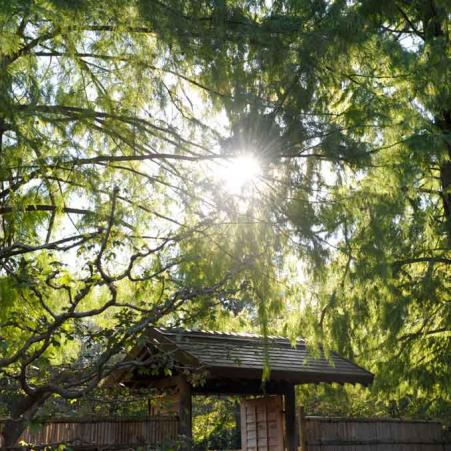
(302, 431)
(290, 419)
(243, 419)
(185, 413)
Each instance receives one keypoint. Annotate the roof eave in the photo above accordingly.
(294, 377)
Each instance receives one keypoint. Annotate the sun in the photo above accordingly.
(238, 173)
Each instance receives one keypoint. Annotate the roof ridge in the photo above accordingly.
(226, 334)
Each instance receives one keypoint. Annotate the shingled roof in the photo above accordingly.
(243, 356)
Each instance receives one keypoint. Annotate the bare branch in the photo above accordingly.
(60, 245)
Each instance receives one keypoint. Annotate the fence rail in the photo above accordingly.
(372, 434)
(149, 431)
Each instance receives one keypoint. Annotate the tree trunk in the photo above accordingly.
(12, 430)
(434, 29)
(445, 176)
(445, 173)
(23, 412)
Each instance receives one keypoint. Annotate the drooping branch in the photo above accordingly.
(78, 113)
(39, 207)
(432, 260)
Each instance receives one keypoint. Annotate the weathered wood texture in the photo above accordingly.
(104, 431)
(291, 430)
(262, 424)
(346, 434)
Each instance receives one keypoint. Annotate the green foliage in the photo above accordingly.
(110, 124)
(354, 101)
(110, 219)
(378, 218)
(216, 423)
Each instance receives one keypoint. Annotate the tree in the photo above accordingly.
(387, 293)
(104, 200)
(351, 102)
(359, 104)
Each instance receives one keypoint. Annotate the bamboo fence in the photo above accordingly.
(149, 431)
(316, 433)
(372, 434)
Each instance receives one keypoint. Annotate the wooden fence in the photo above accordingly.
(316, 433)
(354, 434)
(104, 432)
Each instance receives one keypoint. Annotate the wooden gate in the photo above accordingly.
(262, 424)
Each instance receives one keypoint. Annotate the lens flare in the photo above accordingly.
(239, 173)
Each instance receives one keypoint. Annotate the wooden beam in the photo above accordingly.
(226, 386)
(165, 382)
(290, 419)
(185, 414)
